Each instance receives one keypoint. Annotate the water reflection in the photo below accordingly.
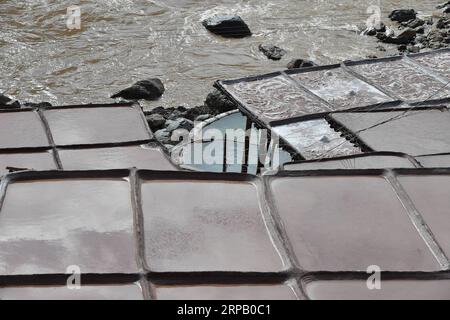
(230, 143)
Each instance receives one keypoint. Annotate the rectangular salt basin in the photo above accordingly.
(438, 62)
(23, 129)
(275, 98)
(86, 292)
(356, 162)
(315, 139)
(82, 126)
(410, 132)
(27, 160)
(401, 289)
(200, 225)
(141, 157)
(399, 78)
(48, 225)
(340, 88)
(225, 292)
(347, 223)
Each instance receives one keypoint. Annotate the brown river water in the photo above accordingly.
(122, 41)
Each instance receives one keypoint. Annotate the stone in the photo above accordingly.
(442, 23)
(149, 89)
(203, 117)
(415, 23)
(300, 63)
(369, 32)
(413, 48)
(443, 5)
(436, 36)
(404, 37)
(4, 99)
(272, 52)
(14, 105)
(403, 15)
(420, 30)
(195, 112)
(402, 47)
(227, 26)
(156, 121)
(165, 112)
(163, 136)
(180, 123)
(373, 30)
(37, 105)
(219, 102)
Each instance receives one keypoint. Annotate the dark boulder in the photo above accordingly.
(155, 121)
(37, 105)
(300, 63)
(149, 89)
(403, 15)
(177, 112)
(14, 105)
(415, 23)
(227, 26)
(165, 112)
(406, 36)
(195, 112)
(442, 23)
(219, 102)
(436, 36)
(402, 47)
(420, 30)
(272, 52)
(4, 99)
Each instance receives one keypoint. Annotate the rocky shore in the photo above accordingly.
(165, 121)
(413, 34)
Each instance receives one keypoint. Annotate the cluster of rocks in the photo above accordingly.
(300, 63)
(164, 122)
(411, 33)
(8, 103)
(272, 52)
